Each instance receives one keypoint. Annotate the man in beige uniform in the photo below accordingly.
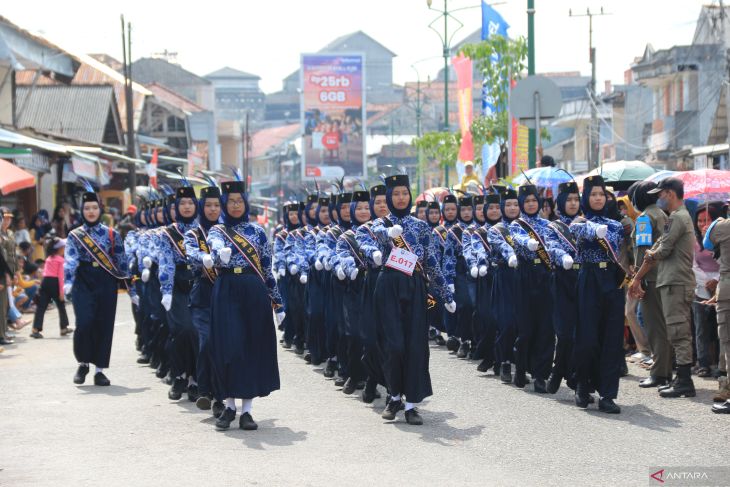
(7, 247)
(648, 231)
(673, 255)
(718, 238)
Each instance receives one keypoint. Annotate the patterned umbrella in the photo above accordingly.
(544, 177)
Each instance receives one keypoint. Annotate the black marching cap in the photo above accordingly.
(185, 192)
(343, 198)
(433, 205)
(492, 199)
(477, 199)
(361, 195)
(233, 187)
(324, 200)
(509, 194)
(377, 190)
(210, 192)
(465, 200)
(568, 187)
(397, 180)
(422, 204)
(89, 197)
(291, 207)
(449, 198)
(527, 190)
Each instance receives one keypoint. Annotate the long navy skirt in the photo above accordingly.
(94, 297)
(242, 338)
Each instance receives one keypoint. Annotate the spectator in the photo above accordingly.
(547, 161)
(548, 209)
(26, 288)
(59, 222)
(25, 249)
(8, 267)
(127, 222)
(39, 228)
(52, 288)
(20, 230)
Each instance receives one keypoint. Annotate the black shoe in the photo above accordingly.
(520, 379)
(101, 380)
(299, 349)
(66, 331)
(505, 374)
(10, 341)
(391, 409)
(624, 371)
(286, 346)
(682, 386)
(591, 399)
(608, 406)
(308, 358)
(154, 362)
(653, 381)
(143, 359)
(81, 372)
(340, 381)
(218, 408)
(484, 365)
(370, 393)
(161, 372)
(225, 419)
(432, 333)
(582, 397)
(329, 369)
(553, 383)
(177, 389)
(412, 417)
(247, 423)
(721, 408)
(193, 393)
(350, 386)
(168, 380)
(203, 402)
(35, 334)
(539, 386)
(463, 350)
(452, 344)
(440, 341)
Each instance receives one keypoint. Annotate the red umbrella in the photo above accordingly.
(704, 181)
(13, 178)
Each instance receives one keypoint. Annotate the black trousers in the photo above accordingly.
(48, 292)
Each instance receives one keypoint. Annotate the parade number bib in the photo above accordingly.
(96, 252)
(541, 252)
(644, 232)
(203, 246)
(402, 260)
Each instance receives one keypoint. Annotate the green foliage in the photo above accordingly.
(440, 146)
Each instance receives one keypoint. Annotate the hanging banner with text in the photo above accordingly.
(333, 115)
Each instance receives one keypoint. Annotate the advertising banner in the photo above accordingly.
(333, 115)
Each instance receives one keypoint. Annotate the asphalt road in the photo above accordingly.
(477, 431)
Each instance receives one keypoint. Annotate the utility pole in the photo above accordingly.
(531, 137)
(129, 106)
(594, 130)
(724, 165)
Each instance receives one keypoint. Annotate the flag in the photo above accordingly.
(152, 169)
(463, 67)
(492, 22)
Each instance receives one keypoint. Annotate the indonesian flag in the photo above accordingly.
(152, 169)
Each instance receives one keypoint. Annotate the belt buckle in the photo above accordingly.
(95, 264)
(189, 267)
(237, 270)
(576, 267)
(603, 265)
(535, 261)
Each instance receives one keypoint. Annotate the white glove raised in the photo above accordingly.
(318, 265)
(166, 301)
(280, 317)
(282, 272)
(452, 288)
(378, 257)
(147, 262)
(532, 244)
(130, 266)
(225, 255)
(601, 231)
(450, 307)
(145, 275)
(353, 274)
(135, 300)
(327, 265)
(340, 274)
(207, 261)
(395, 231)
(483, 270)
(512, 262)
(567, 262)
(474, 272)
(303, 278)
(293, 269)
(67, 289)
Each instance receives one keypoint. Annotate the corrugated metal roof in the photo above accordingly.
(228, 72)
(174, 99)
(75, 112)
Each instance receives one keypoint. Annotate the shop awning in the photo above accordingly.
(13, 178)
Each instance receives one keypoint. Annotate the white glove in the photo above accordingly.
(225, 255)
(395, 231)
(474, 271)
(452, 288)
(512, 262)
(318, 265)
(483, 270)
(353, 274)
(327, 265)
(567, 262)
(130, 266)
(145, 275)
(532, 244)
(601, 231)
(282, 272)
(207, 261)
(303, 278)
(280, 317)
(135, 300)
(147, 262)
(450, 306)
(293, 269)
(67, 289)
(340, 273)
(166, 301)
(377, 257)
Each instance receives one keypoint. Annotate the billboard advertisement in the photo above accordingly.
(333, 115)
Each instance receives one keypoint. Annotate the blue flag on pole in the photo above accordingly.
(492, 22)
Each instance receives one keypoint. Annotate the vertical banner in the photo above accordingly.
(463, 67)
(333, 115)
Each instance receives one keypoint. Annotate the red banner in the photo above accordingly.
(463, 67)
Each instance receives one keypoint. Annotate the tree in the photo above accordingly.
(440, 146)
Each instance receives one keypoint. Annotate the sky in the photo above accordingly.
(266, 37)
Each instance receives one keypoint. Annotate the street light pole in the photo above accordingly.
(531, 137)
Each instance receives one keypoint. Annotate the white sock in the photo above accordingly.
(409, 406)
(395, 398)
(99, 370)
(246, 405)
(191, 381)
(231, 403)
(84, 364)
